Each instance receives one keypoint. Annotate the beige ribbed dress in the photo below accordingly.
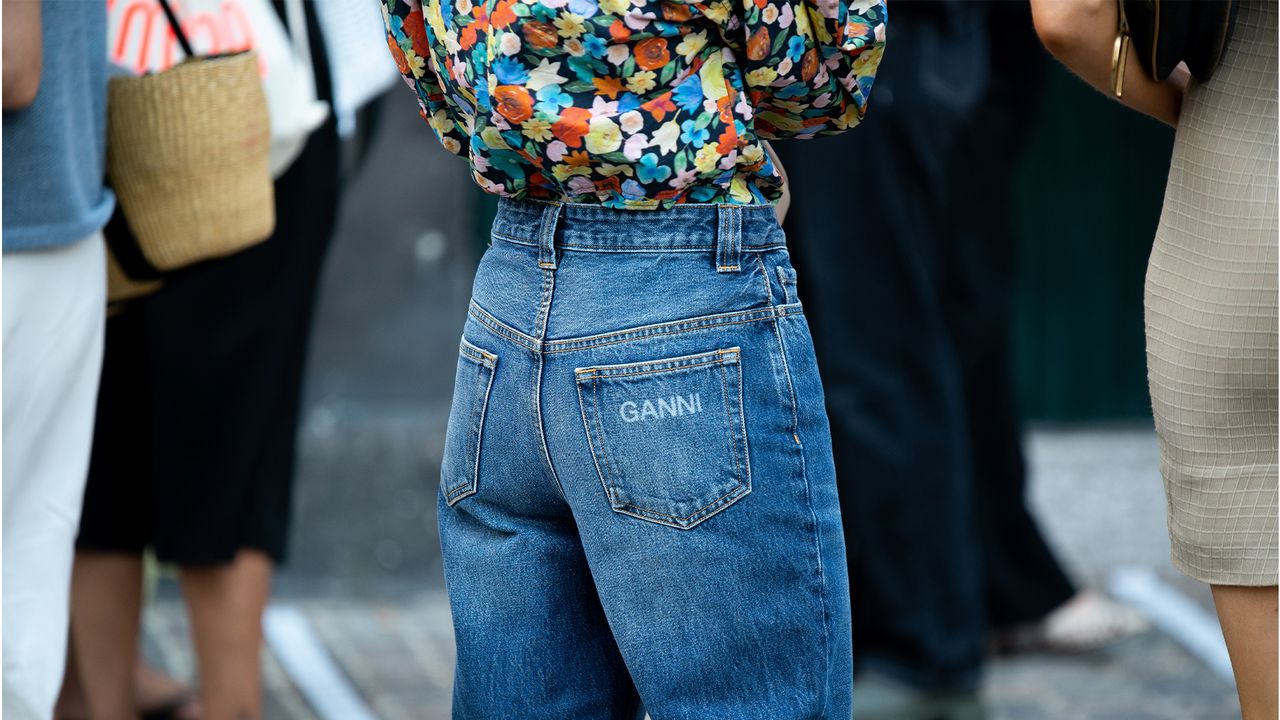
(1211, 317)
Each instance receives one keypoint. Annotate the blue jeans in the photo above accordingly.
(638, 504)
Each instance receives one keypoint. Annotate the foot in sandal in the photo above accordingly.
(1088, 621)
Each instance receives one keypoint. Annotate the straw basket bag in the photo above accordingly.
(187, 152)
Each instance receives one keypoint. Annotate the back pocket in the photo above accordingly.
(460, 468)
(669, 437)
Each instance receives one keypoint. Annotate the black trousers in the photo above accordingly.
(902, 235)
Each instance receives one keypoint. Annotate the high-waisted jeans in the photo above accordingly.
(638, 505)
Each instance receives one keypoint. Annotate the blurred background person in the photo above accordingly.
(194, 451)
(1211, 294)
(944, 554)
(55, 204)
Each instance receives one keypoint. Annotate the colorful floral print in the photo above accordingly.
(634, 103)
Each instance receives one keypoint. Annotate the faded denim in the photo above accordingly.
(638, 506)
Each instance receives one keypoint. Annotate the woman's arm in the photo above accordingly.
(783, 204)
(1082, 34)
(22, 53)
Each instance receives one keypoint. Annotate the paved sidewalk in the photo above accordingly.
(1096, 489)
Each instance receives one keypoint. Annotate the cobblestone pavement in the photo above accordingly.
(392, 640)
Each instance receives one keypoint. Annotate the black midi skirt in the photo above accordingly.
(198, 409)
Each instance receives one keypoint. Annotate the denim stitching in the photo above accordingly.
(727, 355)
(624, 249)
(742, 428)
(663, 333)
(737, 239)
(489, 361)
(764, 313)
(477, 354)
(808, 491)
(785, 281)
(692, 520)
(546, 236)
(544, 312)
(672, 327)
(475, 424)
(673, 368)
(733, 454)
(586, 426)
(791, 388)
(503, 330)
(610, 491)
(599, 451)
(768, 287)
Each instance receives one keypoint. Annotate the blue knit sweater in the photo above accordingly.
(55, 150)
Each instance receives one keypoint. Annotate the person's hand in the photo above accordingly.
(783, 204)
(781, 207)
(1082, 34)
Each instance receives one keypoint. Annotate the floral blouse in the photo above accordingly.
(634, 103)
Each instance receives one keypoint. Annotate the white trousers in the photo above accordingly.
(54, 318)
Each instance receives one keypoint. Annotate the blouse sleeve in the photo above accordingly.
(809, 64)
(408, 40)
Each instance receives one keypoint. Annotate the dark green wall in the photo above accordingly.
(1088, 197)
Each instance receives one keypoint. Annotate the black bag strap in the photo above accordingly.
(177, 28)
(124, 245)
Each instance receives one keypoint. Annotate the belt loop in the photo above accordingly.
(729, 239)
(547, 236)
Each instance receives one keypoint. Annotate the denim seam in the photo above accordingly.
(604, 249)
(590, 442)
(740, 317)
(501, 329)
(786, 367)
(733, 449)
(621, 249)
(691, 520)
(813, 514)
(599, 451)
(544, 313)
(786, 284)
(742, 429)
(722, 357)
(609, 490)
(729, 240)
(489, 361)
(672, 327)
(664, 332)
(764, 275)
(477, 354)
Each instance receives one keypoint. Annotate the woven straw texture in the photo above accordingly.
(1211, 317)
(187, 156)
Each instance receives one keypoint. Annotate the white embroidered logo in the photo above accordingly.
(659, 408)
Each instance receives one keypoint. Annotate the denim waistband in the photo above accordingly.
(726, 230)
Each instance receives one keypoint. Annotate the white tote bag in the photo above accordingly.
(139, 40)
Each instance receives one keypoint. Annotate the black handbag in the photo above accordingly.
(1165, 33)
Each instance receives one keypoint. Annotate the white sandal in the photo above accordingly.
(1087, 622)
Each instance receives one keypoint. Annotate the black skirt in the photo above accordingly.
(197, 414)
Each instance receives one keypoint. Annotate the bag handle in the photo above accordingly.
(177, 28)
